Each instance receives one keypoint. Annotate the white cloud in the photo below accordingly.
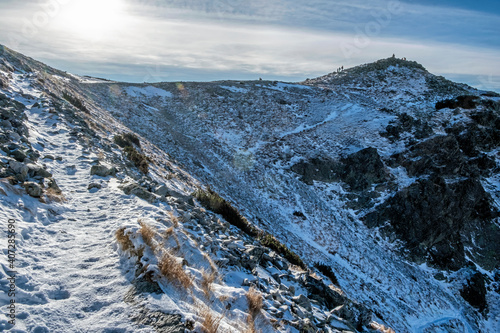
(244, 40)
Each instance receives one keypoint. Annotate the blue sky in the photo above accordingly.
(174, 40)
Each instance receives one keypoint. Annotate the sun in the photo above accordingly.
(92, 19)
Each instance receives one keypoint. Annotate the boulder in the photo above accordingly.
(362, 169)
(440, 155)
(19, 155)
(303, 301)
(53, 185)
(102, 170)
(20, 170)
(320, 169)
(464, 101)
(437, 220)
(33, 189)
(162, 191)
(474, 292)
(359, 170)
(135, 189)
(37, 171)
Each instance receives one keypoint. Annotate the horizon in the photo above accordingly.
(139, 41)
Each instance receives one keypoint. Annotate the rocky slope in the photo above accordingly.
(383, 178)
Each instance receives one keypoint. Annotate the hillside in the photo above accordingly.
(363, 200)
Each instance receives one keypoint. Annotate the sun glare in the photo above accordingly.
(92, 19)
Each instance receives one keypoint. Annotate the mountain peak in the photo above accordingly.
(377, 69)
(384, 64)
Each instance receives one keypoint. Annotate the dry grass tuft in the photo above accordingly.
(213, 266)
(207, 279)
(211, 322)
(54, 195)
(172, 269)
(174, 219)
(254, 299)
(123, 239)
(147, 234)
(381, 328)
(169, 232)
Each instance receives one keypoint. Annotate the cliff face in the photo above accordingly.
(382, 179)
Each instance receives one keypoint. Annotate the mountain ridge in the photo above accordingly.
(244, 138)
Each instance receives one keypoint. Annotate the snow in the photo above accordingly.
(235, 89)
(147, 92)
(72, 275)
(286, 87)
(369, 268)
(66, 262)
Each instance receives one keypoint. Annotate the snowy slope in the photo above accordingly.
(275, 125)
(92, 237)
(243, 139)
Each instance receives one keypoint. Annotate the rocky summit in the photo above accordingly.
(365, 200)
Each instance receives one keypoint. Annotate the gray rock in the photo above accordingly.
(303, 301)
(306, 326)
(6, 124)
(14, 136)
(354, 314)
(33, 189)
(250, 263)
(300, 311)
(53, 185)
(37, 171)
(102, 170)
(256, 251)
(161, 322)
(181, 197)
(276, 295)
(94, 185)
(162, 191)
(186, 217)
(139, 191)
(20, 170)
(18, 155)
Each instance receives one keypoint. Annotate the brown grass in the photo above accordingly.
(211, 322)
(123, 239)
(54, 195)
(174, 219)
(173, 271)
(207, 279)
(147, 234)
(168, 233)
(381, 328)
(254, 300)
(171, 233)
(213, 266)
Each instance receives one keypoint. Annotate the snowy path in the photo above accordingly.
(69, 273)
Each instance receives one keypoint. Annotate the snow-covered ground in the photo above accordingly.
(72, 275)
(241, 139)
(69, 275)
(290, 124)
